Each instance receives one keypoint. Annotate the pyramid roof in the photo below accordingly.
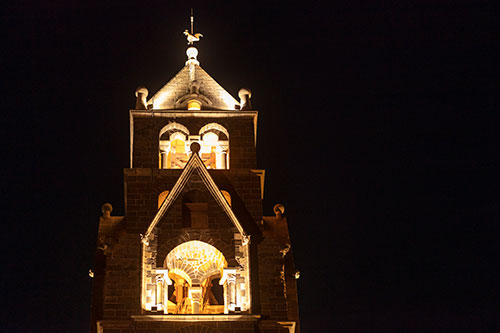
(214, 97)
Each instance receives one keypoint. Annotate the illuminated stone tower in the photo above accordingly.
(193, 252)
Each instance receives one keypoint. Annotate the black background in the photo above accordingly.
(378, 130)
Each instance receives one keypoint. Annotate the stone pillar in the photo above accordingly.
(231, 286)
(229, 281)
(196, 299)
(179, 291)
(223, 160)
(226, 308)
(162, 289)
(164, 157)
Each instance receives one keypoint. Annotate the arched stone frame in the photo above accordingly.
(195, 275)
(155, 252)
(192, 265)
(163, 150)
(226, 249)
(221, 158)
(213, 126)
(173, 126)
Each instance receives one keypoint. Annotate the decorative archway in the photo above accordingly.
(173, 140)
(192, 266)
(214, 146)
(197, 260)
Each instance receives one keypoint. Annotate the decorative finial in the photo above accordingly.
(106, 210)
(191, 36)
(195, 147)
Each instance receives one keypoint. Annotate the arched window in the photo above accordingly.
(227, 196)
(161, 197)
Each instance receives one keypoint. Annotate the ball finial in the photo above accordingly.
(106, 210)
(195, 147)
(279, 209)
(192, 52)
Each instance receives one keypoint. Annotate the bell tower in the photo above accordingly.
(193, 252)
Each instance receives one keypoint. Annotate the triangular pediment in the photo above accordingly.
(195, 165)
(211, 93)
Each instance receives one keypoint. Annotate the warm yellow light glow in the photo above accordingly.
(194, 105)
(229, 101)
(196, 259)
(191, 269)
(227, 196)
(210, 139)
(213, 139)
(161, 197)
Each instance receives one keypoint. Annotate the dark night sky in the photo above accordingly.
(378, 130)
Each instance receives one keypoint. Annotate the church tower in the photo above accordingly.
(193, 252)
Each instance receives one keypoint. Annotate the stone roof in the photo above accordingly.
(180, 85)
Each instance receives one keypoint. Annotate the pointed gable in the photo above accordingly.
(195, 164)
(169, 97)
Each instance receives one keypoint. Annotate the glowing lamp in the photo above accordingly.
(194, 105)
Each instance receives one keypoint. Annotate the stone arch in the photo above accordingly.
(226, 249)
(214, 127)
(173, 126)
(173, 146)
(195, 261)
(214, 140)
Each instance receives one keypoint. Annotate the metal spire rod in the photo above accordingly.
(192, 21)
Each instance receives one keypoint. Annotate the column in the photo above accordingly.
(231, 286)
(196, 299)
(229, 281)
(162, 297)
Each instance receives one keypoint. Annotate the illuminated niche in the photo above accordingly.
(175, 141)
(195, 279)
(161, 197)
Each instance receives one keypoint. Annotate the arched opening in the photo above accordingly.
(161, 197)
(214, 146)
(175, 140)
(227, 196)
(195, 268)
(173, 146)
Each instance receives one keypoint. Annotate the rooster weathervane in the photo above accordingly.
(191, 36)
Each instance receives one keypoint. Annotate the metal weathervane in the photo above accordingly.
(191, 36)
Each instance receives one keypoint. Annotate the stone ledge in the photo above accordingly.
(202, 317)
(194, 114)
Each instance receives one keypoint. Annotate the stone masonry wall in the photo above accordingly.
(122, 279)
(142, 187)
(272, 299)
